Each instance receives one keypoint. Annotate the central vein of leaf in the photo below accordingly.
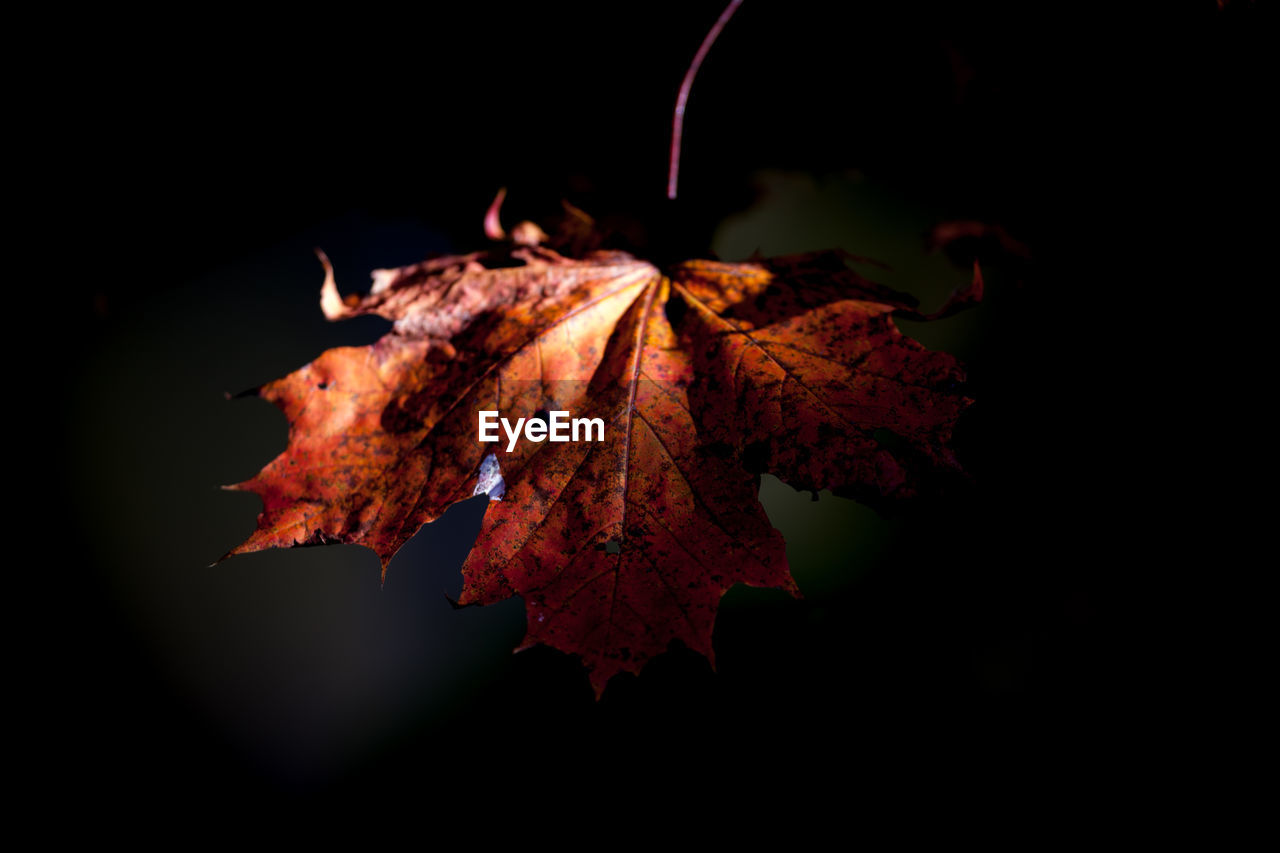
(637, 357)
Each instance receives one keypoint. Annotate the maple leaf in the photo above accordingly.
(702, 376)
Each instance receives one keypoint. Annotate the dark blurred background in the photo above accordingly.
(194, 161)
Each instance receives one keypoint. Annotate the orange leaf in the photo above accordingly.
(700, 379)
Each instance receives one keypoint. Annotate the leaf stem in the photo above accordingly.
(677, 123)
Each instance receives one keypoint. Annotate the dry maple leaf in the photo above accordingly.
(703, 376)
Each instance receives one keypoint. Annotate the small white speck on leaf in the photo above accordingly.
(490, 481)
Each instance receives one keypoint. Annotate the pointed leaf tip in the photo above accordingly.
(492, 221)
(330, 300)
(964, 297)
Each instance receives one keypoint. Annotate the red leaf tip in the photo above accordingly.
(492, 223)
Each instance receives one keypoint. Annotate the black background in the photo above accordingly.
(186, 159)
